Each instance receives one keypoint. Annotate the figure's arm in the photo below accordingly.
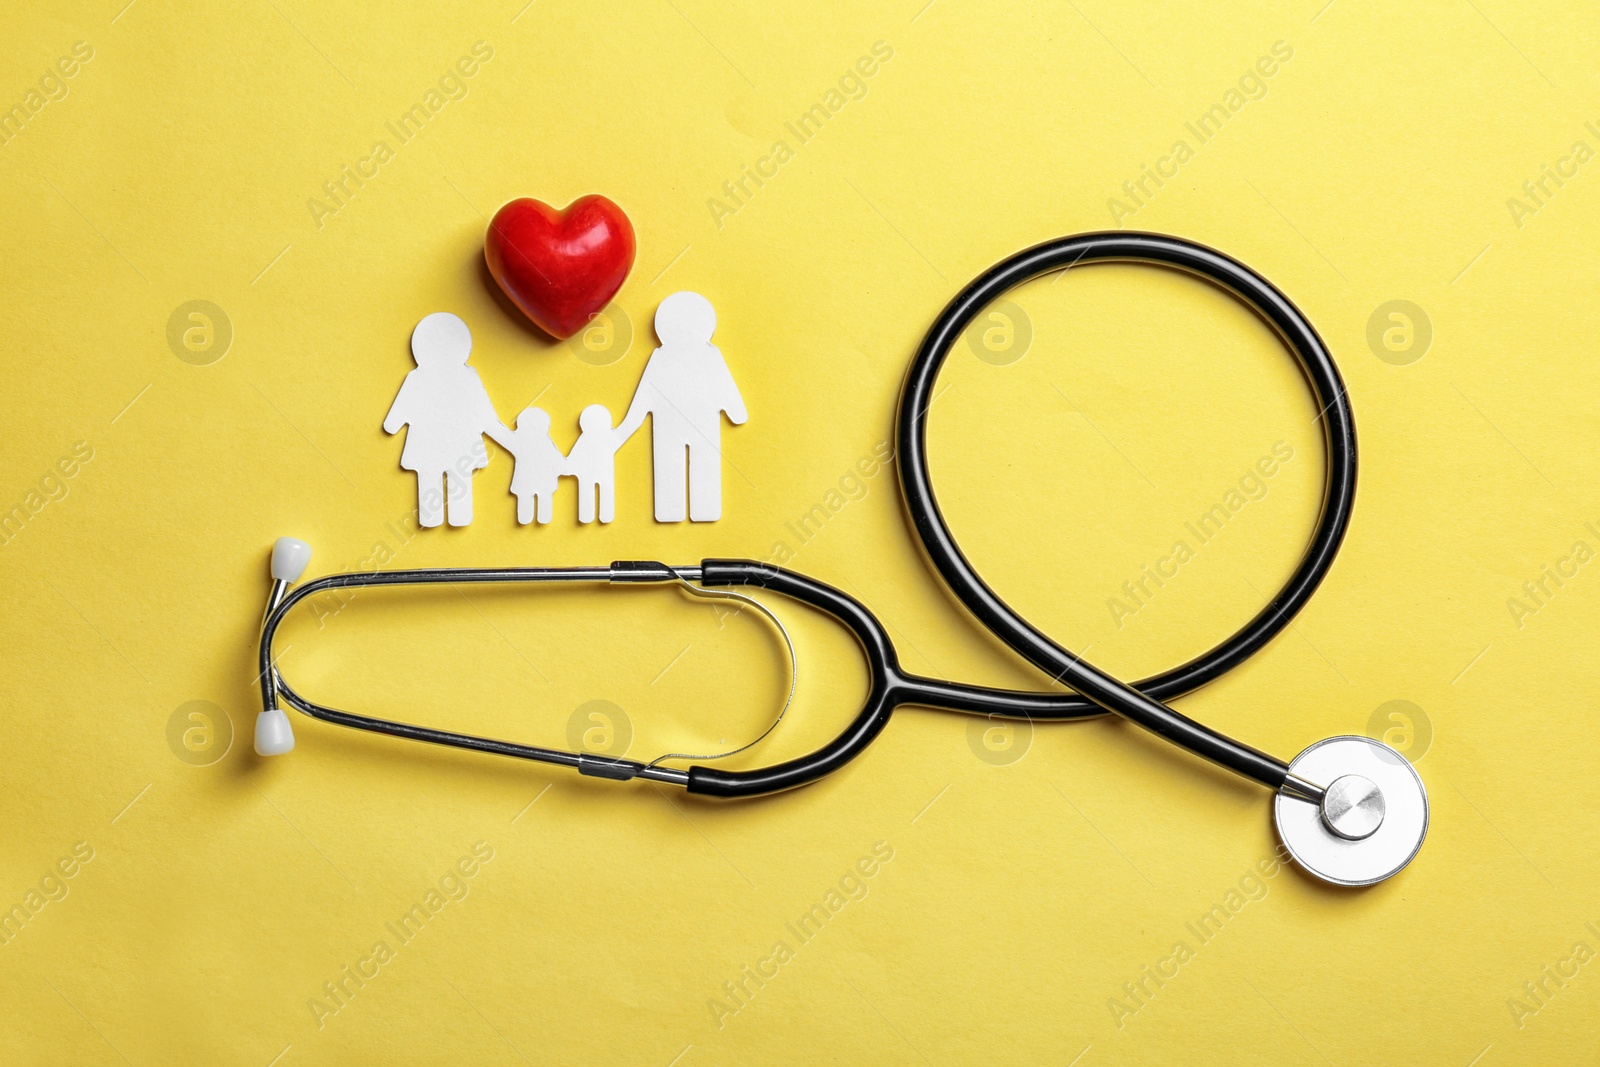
(500, 434)
(399, 411)
(729, 399)
(631, 424)
(639, 408)
(488, 418)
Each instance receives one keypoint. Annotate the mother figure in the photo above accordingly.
(447, 412)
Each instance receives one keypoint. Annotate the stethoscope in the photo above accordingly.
(1349, 809)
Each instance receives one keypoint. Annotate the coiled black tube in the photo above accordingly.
(1142, 701)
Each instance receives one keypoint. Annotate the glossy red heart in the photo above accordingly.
(560, 267)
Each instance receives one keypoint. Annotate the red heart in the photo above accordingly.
(560, 267)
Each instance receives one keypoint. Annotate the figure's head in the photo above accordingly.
(441, 340)
(595, 417)
(685, 319)
(535, 419)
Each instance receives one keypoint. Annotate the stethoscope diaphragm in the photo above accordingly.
(1372, 818)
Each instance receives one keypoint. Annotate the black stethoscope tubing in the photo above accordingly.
(1141, 702)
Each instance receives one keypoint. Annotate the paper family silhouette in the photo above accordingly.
(685, 390)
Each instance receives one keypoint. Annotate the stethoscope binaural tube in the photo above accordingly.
(1142, 701)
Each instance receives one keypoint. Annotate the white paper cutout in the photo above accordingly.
(446, 412)
(593, 461)
(539, 466)
(685, 389)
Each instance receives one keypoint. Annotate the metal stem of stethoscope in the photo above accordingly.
(280, 603)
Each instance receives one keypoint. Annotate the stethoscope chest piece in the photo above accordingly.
(1373, 815)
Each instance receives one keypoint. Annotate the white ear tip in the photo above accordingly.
(289, 558)
(274, 735)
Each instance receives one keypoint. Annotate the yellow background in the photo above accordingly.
(1021, 895)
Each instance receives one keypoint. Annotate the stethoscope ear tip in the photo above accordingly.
(274, 735)
(1371, 818)
(290, 555)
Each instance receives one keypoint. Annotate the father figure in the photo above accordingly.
(685, 389)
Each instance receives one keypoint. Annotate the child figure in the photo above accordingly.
(593, 462)
(539, 465)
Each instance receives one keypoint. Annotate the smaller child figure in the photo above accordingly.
(539, 465)
(593, 462)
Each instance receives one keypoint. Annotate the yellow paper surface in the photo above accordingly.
(1024, 886)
